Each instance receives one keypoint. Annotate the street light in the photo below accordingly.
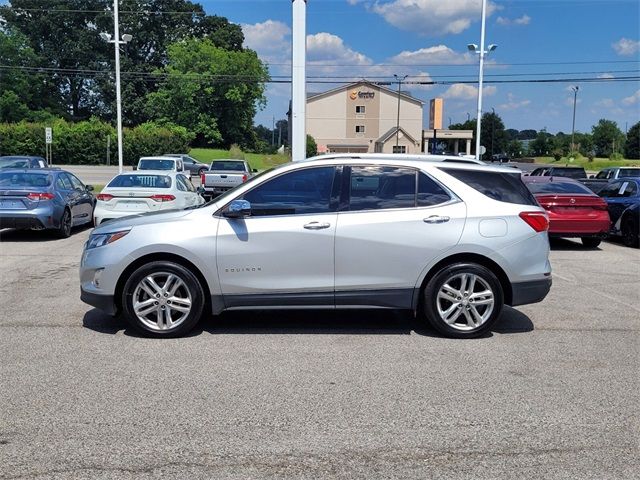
(573, 126)
(482, 52)
(399, 80)
(126, 38)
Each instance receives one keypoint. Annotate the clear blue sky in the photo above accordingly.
(428, 38)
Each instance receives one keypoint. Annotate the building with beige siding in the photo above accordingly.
(362, 118)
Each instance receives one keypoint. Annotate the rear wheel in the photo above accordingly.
(463, 300)
(163, 299)
(591, 242)
(64, 229)
(630, 233)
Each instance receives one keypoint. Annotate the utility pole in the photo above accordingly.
(298, 85)
(573, 125)
(399, 80)
(273, 130)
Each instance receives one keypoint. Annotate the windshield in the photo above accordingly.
(629, 172)
(228, 166)
(140, 181)
(558, 187)
(14, 162)
(29, 180)
(152, 164)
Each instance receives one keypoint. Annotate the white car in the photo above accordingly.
(164, 163)
(145, 191)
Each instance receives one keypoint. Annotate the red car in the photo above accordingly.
(574, 210)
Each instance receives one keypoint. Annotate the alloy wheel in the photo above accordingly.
(162, 301)
(465, 301)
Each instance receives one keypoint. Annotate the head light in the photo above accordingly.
(101, 239)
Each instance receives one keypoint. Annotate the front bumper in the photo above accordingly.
(533, 291)
(106, 303)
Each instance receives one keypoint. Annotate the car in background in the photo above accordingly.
(22, 161)
(191, 164)
(574, 210)
(604, 176)
(168, 164)
(145, 191)
(450, 242)
(623, 198)
(568, 172)
(499, 157)
(44, 198)
(223, 175)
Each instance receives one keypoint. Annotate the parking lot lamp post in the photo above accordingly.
(573, 125)
(482, 52)
(493, 128)
(117, 41)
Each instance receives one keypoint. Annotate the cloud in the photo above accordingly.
(632, 100)
(438, 54)
(270, 39)
(523, 20)
(513, 103)
(326, 48)
(431, 17)
(626, 46)
(605, 103)
(606, 75)
(465, 91)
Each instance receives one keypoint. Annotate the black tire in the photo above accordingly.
(630, 232)
(64, 229)
(184, 323)
(591, 242)
(457, 329)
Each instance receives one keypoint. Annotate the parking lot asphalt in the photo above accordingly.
(552, 392)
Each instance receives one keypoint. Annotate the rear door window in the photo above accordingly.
(501, 186)
(376, 188)
(429, 192)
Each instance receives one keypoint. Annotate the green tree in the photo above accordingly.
(607, 136)
(312, 147)
(632, 145)
(492, 135)
(542, 145)
(514, 149)
(199, 96)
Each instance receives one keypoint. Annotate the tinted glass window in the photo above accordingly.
(140, 181)
(630, 189)
(295, 193)
(374, 188)
(603, 174)
(558, 187)
(228, 166)
(64, 183)
(568, 172)
(180, 183)
(14, 162)
(629, 172)
(187, 183)
(77, 184)
(11, 180)
(429, 192)
(157, 165)
(611, 191)
(504, 187)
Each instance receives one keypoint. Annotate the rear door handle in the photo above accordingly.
(436, 219)
(316, 226)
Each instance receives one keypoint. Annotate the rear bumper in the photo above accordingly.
(105, 303)
(533, 291)
(579, 227)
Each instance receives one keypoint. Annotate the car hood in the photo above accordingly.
(152, 218)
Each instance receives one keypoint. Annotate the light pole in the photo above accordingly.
(482, 52)
(117, 41)
(573, 125)
(399, 80)
(493, 128)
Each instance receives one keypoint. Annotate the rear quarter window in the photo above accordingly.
(501, 186)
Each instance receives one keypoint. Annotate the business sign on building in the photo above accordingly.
(361, 95)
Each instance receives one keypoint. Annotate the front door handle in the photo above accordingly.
(436, 219)
(316, 226)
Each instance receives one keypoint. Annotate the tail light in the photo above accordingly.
(202, 178)
(104, 197)
(162, 198)
(41, 196)
(244, 178)
(536, 220)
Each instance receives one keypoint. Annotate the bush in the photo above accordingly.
(557, 154)
(312, 148)
(616, 156)
(236, 152)
(85, 143)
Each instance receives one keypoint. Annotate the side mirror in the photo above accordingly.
(254, 170)
(592, 176)
(89, 188)
(238, 209)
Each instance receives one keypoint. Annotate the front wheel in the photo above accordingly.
(630, 232)
(463, 300)
(163, 299)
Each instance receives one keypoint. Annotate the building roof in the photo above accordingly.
(349, 86)
(391, 132)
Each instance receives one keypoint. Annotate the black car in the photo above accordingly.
(22, 161)
(623, 198)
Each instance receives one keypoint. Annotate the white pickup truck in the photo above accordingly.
(224, 175)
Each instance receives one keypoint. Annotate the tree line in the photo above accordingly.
(182, 67)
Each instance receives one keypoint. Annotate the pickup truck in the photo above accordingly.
(576, 173)
(597, 182)
(224, 175)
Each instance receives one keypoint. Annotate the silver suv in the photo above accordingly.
(452, 242)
